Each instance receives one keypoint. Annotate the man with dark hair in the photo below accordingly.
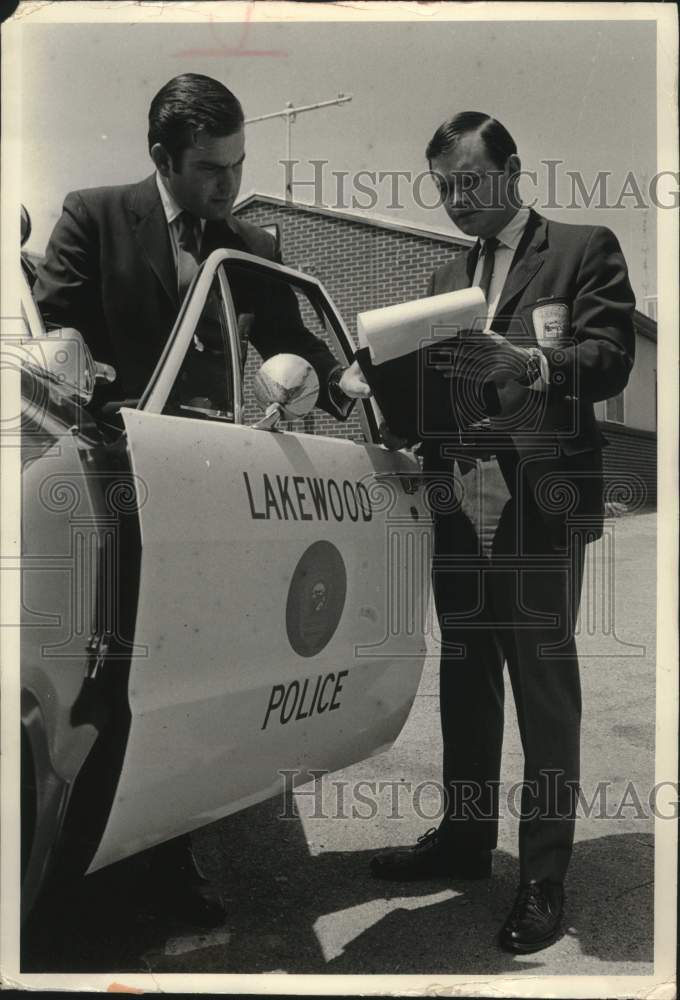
(120, 258)
(557, 336)
(498, 142)
(186, 104)
(116, 268)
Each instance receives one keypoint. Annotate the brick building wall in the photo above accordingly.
(366, 265)
(362, 265)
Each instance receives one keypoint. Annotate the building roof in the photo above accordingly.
(645, 325)
(378, 221)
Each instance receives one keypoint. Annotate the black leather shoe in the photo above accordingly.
(179, 889)
(535, 920)
(430, 857)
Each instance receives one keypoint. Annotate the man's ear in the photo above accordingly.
(513, 167)
(161, 159)
(513, 164)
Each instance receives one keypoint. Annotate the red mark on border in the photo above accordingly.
(121, 988)
(232, 52)
(239, 49)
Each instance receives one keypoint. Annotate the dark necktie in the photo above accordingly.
(188, 257)
(488, 261)
(505, 452)
(188, 260)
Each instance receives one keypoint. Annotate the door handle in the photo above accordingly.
(410, 481)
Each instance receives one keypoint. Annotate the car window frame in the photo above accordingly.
(159, 387)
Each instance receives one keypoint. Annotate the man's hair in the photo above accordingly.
(187, 104)
(498, 142)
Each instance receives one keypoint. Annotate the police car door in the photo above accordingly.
(283, 588)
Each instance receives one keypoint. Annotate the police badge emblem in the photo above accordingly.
(550, 318)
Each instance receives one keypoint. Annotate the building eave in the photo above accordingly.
(645, 326)
(376, 221)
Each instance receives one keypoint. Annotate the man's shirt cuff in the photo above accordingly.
(338, 398)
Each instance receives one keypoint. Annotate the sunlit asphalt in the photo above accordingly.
(299, 895)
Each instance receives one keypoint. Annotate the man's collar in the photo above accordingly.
(170, 206)
(511, 234)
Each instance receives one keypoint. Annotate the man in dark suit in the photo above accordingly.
(117, 267)
(557, 336)
(120, 259)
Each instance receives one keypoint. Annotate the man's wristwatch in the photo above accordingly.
(532, 371)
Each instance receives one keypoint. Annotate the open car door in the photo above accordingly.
(284, 577)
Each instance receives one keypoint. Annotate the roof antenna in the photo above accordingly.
(290, 114)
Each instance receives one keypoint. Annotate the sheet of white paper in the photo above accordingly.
(396, 330)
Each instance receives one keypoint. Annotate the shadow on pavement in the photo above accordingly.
(289, 911)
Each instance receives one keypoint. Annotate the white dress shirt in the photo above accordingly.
(508, 241)
(172, 213)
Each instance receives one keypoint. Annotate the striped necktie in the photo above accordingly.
(188, 255)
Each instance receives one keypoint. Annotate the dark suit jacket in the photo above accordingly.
(109, 272)
(555, 432)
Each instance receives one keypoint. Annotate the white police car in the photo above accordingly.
(207, 598)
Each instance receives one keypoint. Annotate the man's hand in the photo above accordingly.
(490, 357)
(353, 383)
(390, 440)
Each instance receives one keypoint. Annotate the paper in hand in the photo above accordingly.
(403, 347)
(397, 330)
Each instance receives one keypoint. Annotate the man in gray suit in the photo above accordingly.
(121, 258)
(117, 267)
(557, 336)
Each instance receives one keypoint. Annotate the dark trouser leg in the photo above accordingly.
(535, 586)
(471, 685)
(177, 885)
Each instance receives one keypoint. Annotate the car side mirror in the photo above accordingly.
(65, 359)
(287, 388)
